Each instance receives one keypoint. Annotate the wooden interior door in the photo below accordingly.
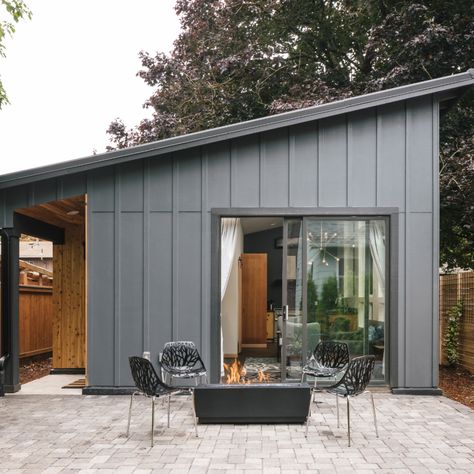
(254, 299)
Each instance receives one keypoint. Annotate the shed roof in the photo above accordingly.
(455, 84)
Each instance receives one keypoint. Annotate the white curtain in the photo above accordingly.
(229, 227)
(377, 249)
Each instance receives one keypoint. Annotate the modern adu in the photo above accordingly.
(255, 241)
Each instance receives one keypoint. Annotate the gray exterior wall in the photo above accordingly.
(149, 226)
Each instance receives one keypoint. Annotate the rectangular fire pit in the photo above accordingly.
(257, 403)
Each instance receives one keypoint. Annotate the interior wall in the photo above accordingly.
(69, 340)
(231, 304)
(264, 242)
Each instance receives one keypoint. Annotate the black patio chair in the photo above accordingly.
(354, 382)
(181, 360)
(149, 384)
(329, 358)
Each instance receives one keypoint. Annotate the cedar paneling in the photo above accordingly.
(69, 300)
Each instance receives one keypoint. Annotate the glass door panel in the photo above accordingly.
(345, 285)
(293, 319)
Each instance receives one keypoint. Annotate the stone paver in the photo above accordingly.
(85, 434)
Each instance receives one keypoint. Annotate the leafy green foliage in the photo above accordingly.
(15, 10)
(237, 60)
(451, 337)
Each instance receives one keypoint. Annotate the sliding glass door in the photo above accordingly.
(334, 288)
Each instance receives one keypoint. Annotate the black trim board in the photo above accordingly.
(36, 228)
(79, 371)
(418, 391)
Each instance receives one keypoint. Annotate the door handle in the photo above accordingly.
(285, 312)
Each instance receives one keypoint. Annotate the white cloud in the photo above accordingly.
(71, 70)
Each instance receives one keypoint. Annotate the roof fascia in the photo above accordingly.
(205, 137)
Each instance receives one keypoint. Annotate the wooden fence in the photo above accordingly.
(35, 310)
(36, 320)
(453, 288)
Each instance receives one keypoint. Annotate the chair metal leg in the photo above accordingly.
(169, 407)
(337, 410)
(152, 419)
(195, 417)
(130, 413)
(348, 422)
(375, 416)
(307, 421)
(302, 376)
(314, 389)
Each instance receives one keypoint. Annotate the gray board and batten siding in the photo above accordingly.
(149, 221)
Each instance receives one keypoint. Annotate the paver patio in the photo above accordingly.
(52, 433)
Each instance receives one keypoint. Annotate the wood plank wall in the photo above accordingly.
(452, 289)
(69, 340)
(36, 311)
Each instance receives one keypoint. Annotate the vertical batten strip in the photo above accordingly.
(261, 178)
(232, 173)
(349, 161)
(175, 243)
(205, 238)
(288, 167)
(403, 322)
(291, 164)
(435, 238)
(318, 171)
(146, 256)
(117, 268)
(377, 155)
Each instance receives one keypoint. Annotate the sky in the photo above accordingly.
(71, 70)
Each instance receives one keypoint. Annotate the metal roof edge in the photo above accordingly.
(236, 130)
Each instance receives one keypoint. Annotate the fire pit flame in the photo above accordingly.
(236, 373)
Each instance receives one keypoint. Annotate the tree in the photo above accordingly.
(15, 11)
(242, 59)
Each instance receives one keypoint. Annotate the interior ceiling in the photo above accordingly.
(56, 212)
(258, 224)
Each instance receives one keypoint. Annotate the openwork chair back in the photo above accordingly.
(358, 375)
(332, 354)
(181, 354)
(144, 375)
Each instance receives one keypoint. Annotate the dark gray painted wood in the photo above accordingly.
(303, 165)
(189, 180)
(101, 190)
(419, 155)
(149, 227)
(245, 172)
(391, 156)
(332, 176)
(131, 295)
(189, 277)
(161, 291)
(274, 185)
(419, 315)
(101, 301)
(362, 159)
(218, 175)
(131, 186)
(161, 184)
